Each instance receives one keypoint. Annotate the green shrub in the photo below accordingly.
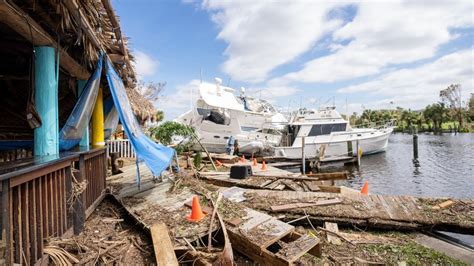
(165, 132)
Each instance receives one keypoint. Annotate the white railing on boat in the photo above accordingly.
(122, 146)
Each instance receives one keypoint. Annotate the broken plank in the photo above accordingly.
(292, 185)
(266, 183)
(329, 176)
(333, 228)
(312, 186)
(292, 251)
(286, 207)
(443, 205)
(164, 251)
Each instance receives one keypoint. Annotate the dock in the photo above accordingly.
(365, 211)
(251, 232)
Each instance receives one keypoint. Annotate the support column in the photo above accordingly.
(98, 121)
(85, 137)
(46, 137)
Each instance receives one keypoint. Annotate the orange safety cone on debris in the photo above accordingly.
(242, 160)
(264, 166)
(365, 188)
(218, 163)
(196, 211)
(254, 163)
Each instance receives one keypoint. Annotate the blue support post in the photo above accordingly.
(85, 137)
(46, 137)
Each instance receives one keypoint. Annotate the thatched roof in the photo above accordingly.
(82, 28)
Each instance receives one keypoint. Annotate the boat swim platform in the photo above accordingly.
(251, 232)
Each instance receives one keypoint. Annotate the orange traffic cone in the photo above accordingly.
(218, 163)
(264, 166)
(242, 160)
(365, 188)
(196, 211)
(254, 162)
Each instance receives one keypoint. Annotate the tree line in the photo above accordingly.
(449, 114)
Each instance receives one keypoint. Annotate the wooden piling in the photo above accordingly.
(415, 146)
(359, 153)
(303, 159)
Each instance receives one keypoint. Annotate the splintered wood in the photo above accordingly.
(250, 232)
(333, 228)
(375, 211)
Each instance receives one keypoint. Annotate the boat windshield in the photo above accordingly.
(326, 129)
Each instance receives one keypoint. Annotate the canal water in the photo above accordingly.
(446, 167)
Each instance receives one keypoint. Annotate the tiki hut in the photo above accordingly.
(48, 48)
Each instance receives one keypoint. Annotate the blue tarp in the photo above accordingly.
(156, 156)
(72, 132)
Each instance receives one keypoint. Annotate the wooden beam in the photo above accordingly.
(118, 34)
(19, 21)
(164, 250)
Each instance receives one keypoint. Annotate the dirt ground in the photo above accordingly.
(376, 248)
(109, 238)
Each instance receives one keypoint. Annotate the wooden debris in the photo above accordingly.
(112, 220)
(227, 256)
(312, 186)
(443, 205)
(292, 185)
(209, 237)
(286, 207)
(333, 228)
(336, 234)
(291, 251)
(164, 251)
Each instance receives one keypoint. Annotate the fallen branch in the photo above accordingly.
(209, 237)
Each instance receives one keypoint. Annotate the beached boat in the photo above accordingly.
(328, 135)
(219, 115)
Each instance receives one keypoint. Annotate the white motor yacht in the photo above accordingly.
(327, 135)
(218, 114)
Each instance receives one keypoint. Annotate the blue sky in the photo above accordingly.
(290, 52)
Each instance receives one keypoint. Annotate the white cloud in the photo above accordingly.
(417, 87)
(263, 35)
(385, 33)
(180, 100)
(145, 65)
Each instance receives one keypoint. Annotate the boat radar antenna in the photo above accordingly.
(218, 85)
(242, 92)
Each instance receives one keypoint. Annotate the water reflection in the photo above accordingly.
(445, 167)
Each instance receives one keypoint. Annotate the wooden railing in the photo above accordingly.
(35, 203)
(121, 146)
(15, 154)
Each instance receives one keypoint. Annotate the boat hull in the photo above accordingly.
(336, 148)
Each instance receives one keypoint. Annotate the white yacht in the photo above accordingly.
(327, 135)
(218, 114)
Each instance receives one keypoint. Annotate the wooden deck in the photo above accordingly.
(277, 179)
(250, 232)
(371, 211)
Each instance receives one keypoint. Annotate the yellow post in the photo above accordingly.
(98, 121)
